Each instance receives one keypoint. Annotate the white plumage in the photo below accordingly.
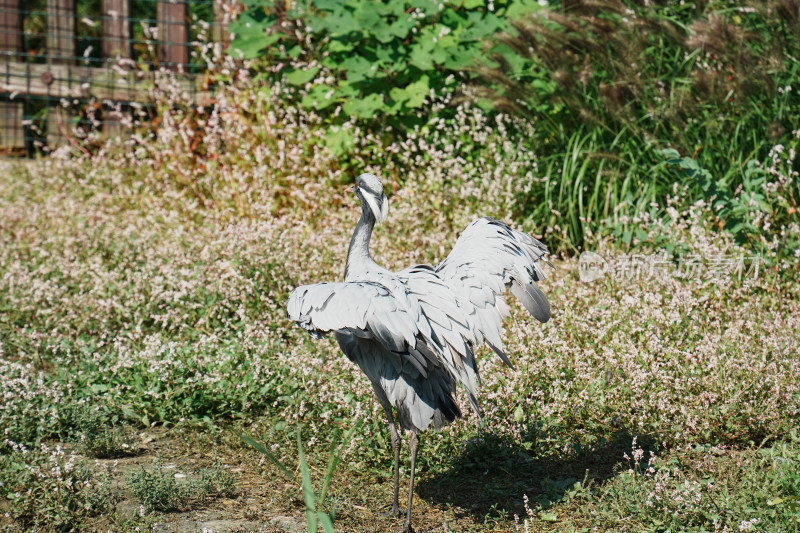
(414, 332)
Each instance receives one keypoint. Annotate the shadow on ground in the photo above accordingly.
(491, 475)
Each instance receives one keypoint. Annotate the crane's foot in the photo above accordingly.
(408, 529)
(394, 512)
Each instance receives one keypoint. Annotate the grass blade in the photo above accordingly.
(308, 488)
(326, 522)
(260, 447)
(334, 458)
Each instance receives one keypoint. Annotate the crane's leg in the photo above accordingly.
(387, 408)
(395, 511)
(413, 448)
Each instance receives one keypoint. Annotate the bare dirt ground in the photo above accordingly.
(459, 500)
(247, 511)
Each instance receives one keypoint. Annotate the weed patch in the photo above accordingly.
(51, 489)
(164, 489)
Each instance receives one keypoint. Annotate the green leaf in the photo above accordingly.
(327, 523)
(426, 6)
(458, 58)
(439, 54)
(416, 92)
(338, 45)
(364, 107)
(472, 4)
(481, 26)
(520, 8)
(519, 414)
(301, 77)
(339, 140)
(420, 56)
(326, 5)
(339, 22)
(400, 29)
(366, 15)
(356, 68)
(387, 56)
(735, 227)
(261, 448)
(251, 45)
(672, 155)
(687, 163)
(319, 97)
(308, 488)
(345, 90)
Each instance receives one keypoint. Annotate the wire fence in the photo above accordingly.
(71, 67)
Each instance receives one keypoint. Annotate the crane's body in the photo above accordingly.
(414, 332)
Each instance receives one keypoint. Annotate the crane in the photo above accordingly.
(414, 333)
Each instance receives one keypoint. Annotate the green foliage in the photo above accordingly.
(374, 59)
(585, 188)
(710, 82)
(96, 432)
(689, 75)
(313, 502)
(769, 191)
(159, 490)
(50, 490)
(703, 488)
(606, 86)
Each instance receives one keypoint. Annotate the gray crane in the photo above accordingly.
(414, 332)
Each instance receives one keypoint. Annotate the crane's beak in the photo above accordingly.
(351, 188)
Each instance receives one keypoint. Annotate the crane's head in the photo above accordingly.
(369, 190)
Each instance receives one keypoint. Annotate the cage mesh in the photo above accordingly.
(70, 67)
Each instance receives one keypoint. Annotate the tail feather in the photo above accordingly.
(533, 299)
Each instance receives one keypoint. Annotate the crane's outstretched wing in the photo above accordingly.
(488, 257)
(408, 336)
(366, 310)
(412, 314)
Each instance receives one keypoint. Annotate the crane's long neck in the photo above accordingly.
(358, 259)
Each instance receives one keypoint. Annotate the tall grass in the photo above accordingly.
(609, 84)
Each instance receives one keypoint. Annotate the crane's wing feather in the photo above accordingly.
(451, 331)
(488, 257)
(413, 314)
(367, 310)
